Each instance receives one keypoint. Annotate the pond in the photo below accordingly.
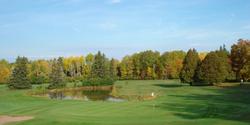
(85, 95)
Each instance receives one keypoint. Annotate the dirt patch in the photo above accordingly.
(9, 119)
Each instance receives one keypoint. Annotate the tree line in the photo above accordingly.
(192, 67)
(218, 66)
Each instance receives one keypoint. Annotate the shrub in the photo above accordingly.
(38, 80)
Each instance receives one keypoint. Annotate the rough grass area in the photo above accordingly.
(175, 104)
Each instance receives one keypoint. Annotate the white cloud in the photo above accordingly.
(115, 1)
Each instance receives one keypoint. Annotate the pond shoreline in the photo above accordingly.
(86, 89)
(90, 88)
(34, 92)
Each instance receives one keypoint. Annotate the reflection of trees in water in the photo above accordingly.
(56, 95)
(80, 94)
(97, 94)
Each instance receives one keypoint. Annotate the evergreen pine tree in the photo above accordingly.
(57, 74)
(19, 78)
(100, 67)
(190, 64)
(225, 60)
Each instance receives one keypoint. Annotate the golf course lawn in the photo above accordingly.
(175, 104)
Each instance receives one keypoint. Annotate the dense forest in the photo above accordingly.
(192, 67)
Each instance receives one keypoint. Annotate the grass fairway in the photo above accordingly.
(174, 105)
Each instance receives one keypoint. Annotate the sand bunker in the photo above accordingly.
(9, 119)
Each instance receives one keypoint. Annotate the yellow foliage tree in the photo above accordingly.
(4, 73)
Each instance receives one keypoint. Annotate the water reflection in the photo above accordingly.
(96, 95)
(86, 95)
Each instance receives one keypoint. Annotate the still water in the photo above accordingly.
(86, 95)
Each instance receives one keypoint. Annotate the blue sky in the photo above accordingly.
(51, 28)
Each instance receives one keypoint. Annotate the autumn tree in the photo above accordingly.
(202, 55)
(5, 71)
(73, 66)
(135, 66)
(148, 61)
(88, 65)
(245, 71)
(126, 68)
(113, 68)
(19, 78)
(172, 62)
(240, 57)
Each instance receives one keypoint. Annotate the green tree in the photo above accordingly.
(100, 71)
(225, 60)
(190, 64)
(19, 78)
(240, 57)
(212, 70)
(100, 67)
(57, 74)
(159, 69)
(39, 72)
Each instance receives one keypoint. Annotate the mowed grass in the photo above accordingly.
(175, 104)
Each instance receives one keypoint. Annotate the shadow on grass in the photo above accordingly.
(228, 103)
